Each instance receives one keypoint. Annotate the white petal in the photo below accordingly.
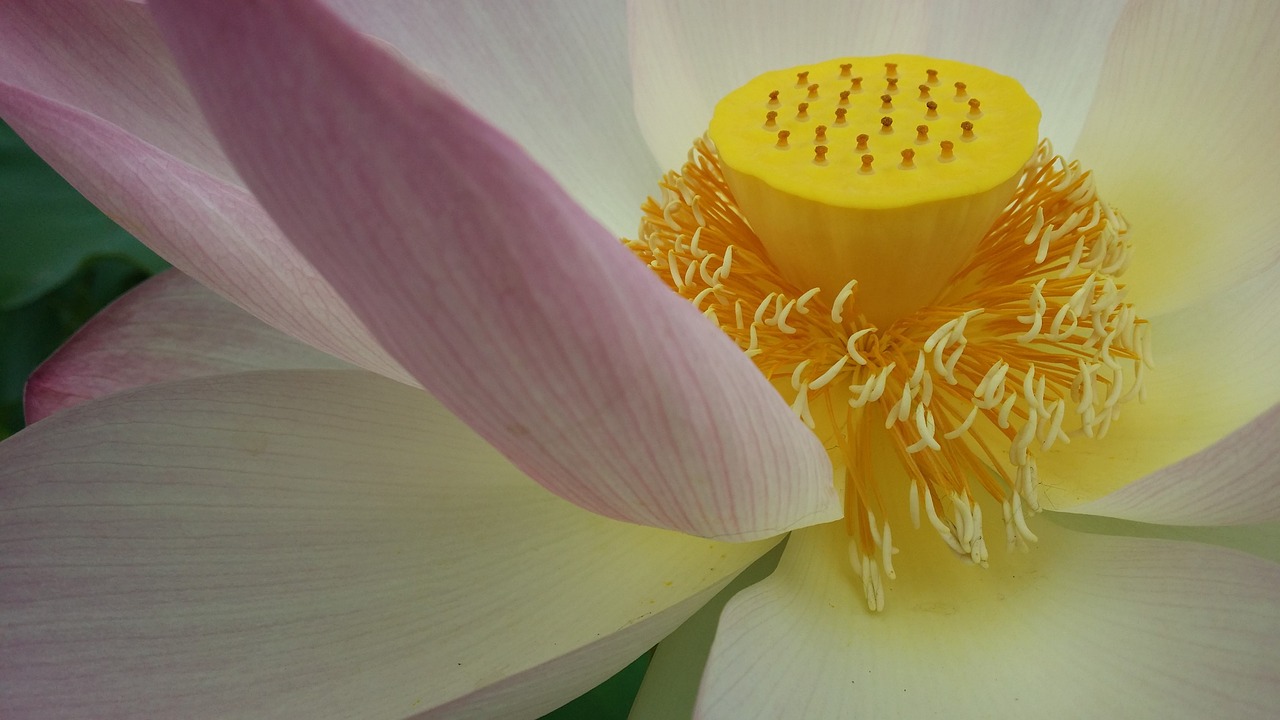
(671, 681)
(1262, 540)
(1182, 138)
(686, 55)
(1202, 449)
(552, 75)
(311, 544)
(1082, 626)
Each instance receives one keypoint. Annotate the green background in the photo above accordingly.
(61, 261)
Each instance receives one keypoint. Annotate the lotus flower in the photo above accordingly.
(309, 475)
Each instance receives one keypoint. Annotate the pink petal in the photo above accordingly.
(554, 76)
(212, 230)
(311, 544)
(491, 286)
(1183, 141)
(686, 54)
(1232, 482)
(1082, 626)
(169, 328)
(106, 58)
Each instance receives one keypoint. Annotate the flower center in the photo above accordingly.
(876, 168)
(947, 296)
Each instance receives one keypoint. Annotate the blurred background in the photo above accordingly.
(61, 261)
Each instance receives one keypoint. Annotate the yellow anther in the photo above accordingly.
(849, 222)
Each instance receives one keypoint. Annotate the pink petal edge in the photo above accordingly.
(107, 58)
(168, 328)
(490, 285)
(212, 230)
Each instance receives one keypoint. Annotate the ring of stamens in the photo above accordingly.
(1032, 344)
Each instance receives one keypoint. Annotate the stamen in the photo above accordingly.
(1029, 346)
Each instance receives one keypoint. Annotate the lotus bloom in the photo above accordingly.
(413, 433)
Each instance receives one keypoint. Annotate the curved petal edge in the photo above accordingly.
(487, 283)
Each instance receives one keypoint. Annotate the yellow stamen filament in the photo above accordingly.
(1029, 345)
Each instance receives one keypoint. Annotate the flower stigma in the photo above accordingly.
(918, 274)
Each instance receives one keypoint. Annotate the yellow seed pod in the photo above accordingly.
(861, 212)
